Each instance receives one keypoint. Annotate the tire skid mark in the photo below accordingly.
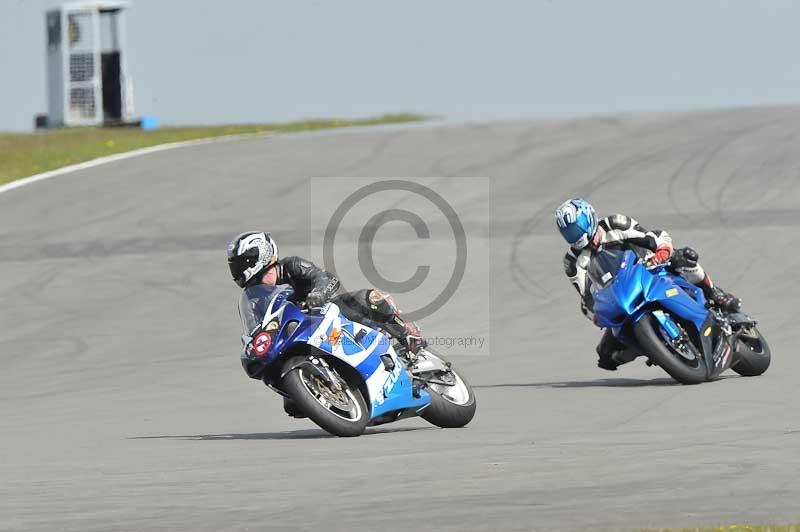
(720, 211)
(526, 142)
(527, 283)
(377, 150)
(706, 155)
(727, 141)
(673, 179)
(437, 167)
(521, 278)
(648, 408)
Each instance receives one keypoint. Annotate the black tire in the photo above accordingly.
(753, 355)
(447, 414)
(646, 332)
(294, 385)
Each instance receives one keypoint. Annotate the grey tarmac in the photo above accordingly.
(123, 405)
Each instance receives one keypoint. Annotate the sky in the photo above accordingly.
(203, 61)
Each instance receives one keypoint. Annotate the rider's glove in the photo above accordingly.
(662, 254)
(315, 298)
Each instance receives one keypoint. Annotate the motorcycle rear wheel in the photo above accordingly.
(752, 355)
(664, 355)
(342, 413)
(453, 405)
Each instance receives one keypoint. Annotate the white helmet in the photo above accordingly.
(249, 254)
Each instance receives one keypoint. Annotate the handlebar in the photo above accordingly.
(649, 264)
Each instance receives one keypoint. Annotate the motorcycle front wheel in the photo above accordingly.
(342, 413)
(680, 367)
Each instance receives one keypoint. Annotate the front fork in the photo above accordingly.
(321, 368)
(718, 358)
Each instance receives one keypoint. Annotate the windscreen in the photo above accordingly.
(254, 302)
(605, 264)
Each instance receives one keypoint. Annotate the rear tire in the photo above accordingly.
(308, 393)
(450, 411)
(753, 354)
(646, 332)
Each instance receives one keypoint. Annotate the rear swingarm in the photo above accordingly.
(429, 365)
(434, 381)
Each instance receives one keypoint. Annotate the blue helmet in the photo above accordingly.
(577, 222)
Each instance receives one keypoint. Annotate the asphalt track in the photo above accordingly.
(123, 406)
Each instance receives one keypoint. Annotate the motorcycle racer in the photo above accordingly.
(253, 259)
(577, 221)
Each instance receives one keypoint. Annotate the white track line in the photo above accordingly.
(173, 145)
(122, 156)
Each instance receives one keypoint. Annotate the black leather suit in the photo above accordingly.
(307, 279)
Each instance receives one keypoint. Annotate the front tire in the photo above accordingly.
(680, 369)
(341, 413)
(451, 406)
(752, 353)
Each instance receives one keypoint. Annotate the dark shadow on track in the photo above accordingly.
(599, 383)
(309, 434)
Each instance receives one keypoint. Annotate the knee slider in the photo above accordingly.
(380, 303)
(685, 258)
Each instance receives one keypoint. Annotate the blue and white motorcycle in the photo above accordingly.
(341, 374)
(660, 315)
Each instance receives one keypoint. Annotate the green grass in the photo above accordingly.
(25, 154)
(737, 528)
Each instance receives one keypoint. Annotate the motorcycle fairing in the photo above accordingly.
(635, 287)
(388, 389)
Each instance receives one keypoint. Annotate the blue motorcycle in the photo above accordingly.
(343, 375)
(660, 315)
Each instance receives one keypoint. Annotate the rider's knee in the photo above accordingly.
(685, 257)
(684, 263)
(690, 254)
(695, 274)
(380, 303)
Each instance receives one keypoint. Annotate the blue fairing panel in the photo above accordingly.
(394, 388)
(634, 287)
(688, 287)
(307, 324)
(400, 397)
(615, 303)
(677, 301)
(371, 363)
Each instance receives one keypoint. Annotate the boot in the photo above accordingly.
(726, 301)
(611, 361)
(389, 317)
(608, 351)
(406, 334)
(719, 298)
(607, 363)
